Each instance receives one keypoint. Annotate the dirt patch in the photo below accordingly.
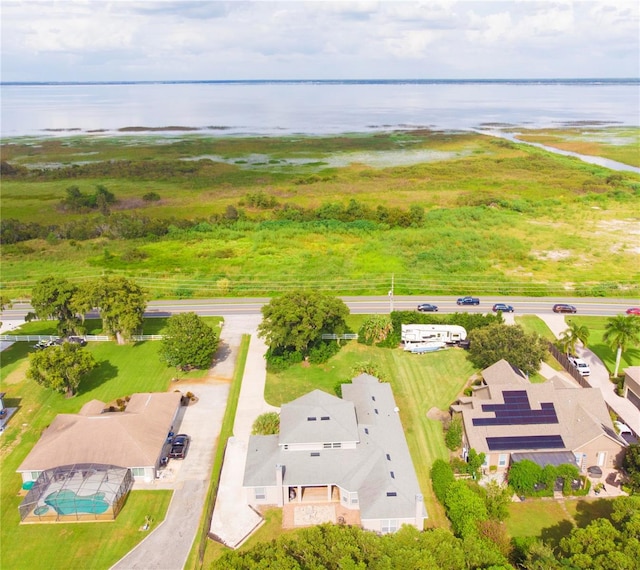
(552, 255)
(438, 415)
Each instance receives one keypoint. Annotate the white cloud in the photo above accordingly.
(99, 39)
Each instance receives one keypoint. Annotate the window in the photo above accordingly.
(354, 499)
(375, 410)
(366, 430)
(260, 493)
(324, 418)
(315, 454)
(137, 471)
(388, 525)
(388, 457)
(502, 460)
(35, 474)
(393, 475)
(326, 445)
(392, 494)
(337, 445)
(311, 419)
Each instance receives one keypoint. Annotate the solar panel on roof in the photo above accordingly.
(525, 442)
(516, 410)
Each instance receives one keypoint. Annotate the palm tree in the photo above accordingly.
(574, 334)
(620, 332)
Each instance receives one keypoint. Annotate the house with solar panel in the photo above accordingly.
(510, 419)
(338, 460)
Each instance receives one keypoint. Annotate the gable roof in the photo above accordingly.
(525, 417)
(317, 417)
(502, 372)
(379, 468)
(133, 438)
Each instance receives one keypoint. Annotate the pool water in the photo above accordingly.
(67, 502)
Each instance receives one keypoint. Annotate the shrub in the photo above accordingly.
(441, 478)
(266, 424)
(375, 329)
(453, 439)
(323, 351)
(151, 197)
(368, 367)
(523, 476)
(279, 360)
(465, 509)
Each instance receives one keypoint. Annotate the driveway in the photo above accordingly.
(599, 377)
(168, 546)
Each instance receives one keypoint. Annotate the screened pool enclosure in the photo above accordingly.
(80, 492)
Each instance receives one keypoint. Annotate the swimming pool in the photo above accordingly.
(67, 502)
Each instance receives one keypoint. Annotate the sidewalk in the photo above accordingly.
(233, 520)
(599, 377)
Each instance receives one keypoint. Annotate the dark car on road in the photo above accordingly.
(633, 311)
(564, 308)
(502, 307)
(468, 301)
(179, 446)
(427, 308)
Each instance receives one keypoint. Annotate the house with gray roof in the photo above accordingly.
(509, 419)
(348, 453)
(134, 439)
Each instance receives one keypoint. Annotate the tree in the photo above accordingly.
(375, 329)
(571, 336)
(464, 509)
(631, 463)
(297, 320)
(188, 342)
(266, 424)
(620, 332)
(121, 303)
(497, 341)
(60, 367)
(453, 437)
(52, 297)
(523, 475)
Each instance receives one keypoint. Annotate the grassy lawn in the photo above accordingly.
(122, 370)
(78, 545)
(596, 325)
(553, 520)
(419, 382)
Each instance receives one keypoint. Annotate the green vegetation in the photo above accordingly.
(188, 342)
(597, 328)
(337, 213)
(266, 424)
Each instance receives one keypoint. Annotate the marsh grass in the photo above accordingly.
(495, 214)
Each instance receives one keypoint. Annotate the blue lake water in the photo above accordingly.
(307, 107)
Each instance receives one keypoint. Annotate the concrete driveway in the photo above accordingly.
(168, 546)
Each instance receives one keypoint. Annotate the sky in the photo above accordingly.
(118, 40)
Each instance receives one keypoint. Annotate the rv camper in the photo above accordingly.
(449, 334)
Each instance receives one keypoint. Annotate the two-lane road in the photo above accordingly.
(375, 304)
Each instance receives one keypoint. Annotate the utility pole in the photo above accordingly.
(391, 294)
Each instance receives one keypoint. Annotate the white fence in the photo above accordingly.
(89, 337)
(347, 336)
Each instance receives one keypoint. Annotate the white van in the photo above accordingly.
(581, 365)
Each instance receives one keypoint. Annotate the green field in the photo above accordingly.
(260, 216)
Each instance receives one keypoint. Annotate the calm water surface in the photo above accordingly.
(279, 108)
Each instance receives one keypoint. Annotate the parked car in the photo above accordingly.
(564, 308)
(427, 308)
(179, 446)
(41, 344)
(621, 428)
(581, 365)
(77, 340)
(503, 307)
(468, 301)
(633, 311)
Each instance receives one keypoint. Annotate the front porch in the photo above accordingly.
(296, 515)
